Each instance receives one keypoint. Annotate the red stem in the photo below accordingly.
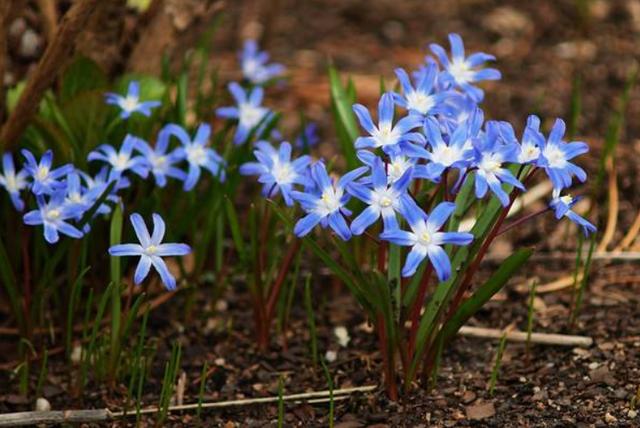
(415, 310)
(27, 280)
(282, 274)
(389, 372)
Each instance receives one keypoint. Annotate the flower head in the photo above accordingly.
(308, 138)
(387, 135)
(122, 160)
(383, 198)
(151, 250)
(562, 208)
(454, 153)
(249, 113)
(131, 103)
(255, 64)
(532, 140)
(556, 154)
(44, 178)
(197, 154)
(423, 98)
(13, 182)
(53, 215)
(276, 171)
(325, 204)
(463, 71)
(161, 163)
(426, 239)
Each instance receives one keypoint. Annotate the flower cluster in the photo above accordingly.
(441, 137)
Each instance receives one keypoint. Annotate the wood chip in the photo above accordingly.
(480, 411)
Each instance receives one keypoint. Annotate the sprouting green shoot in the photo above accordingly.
(575, 106)
(280, 402)
(327, 375)
(170, 374)
(43, 372)
(203, 383)
(496, 366)
(583, 284)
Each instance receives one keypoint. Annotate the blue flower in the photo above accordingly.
(383, 198)
(387, 135)
(151, 250)
(249, 113)
(423, 98)
(52, 214)
(397, 165)
(456, 153)
(13, 182)
(562, 207)
(254, 64)
(45, 179)
(308, 138)
(463, 71)
(197, 154)
(326, 203)
(276, 171)
(556, 154)
(532, 140)
(78, 195)
(131, 103)
(426, 239)
(121, 161)
(489, 156)
(100, 182)
(159, 161)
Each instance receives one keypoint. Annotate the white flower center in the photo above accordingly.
(196, 154)
(554, 156)
(396, 168)
(420, 102)
(11, 183)
(425, 238)
(386, 135)
(283, 172)
(75, 197)
(446, 155)
(129, 103)
(250, 115)
(566, 199)
(151, 250)
(461, 71)
(490, 163)
(120, 162)
(53, 214)
(250, 67)
(528, 153)
(329, 201)
(383, 197)
(42, 173)
(158, 162)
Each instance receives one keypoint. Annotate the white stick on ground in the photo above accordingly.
(521, 336)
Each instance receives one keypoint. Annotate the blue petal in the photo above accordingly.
(168, 279)
(366, 218)
(171, 249)
(457, 47)
(456, 238)
(385, 108)
(399, 237)
(142, 270)
(339, 225)
(126, 250)
(414, 258)
(158, 229)
(441, 214)
(306, 224)
(440, 262)
(141, 229)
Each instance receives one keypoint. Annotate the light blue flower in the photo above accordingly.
(556, 154)
(490, 153)
(426, 239)
(13, 182)
(423, 99)
(249, 113)
(197, 154)
(131, 103)
(44, 179)
(100, 182)
(325, 204)
(457, 152)
(151, 250)
(161, 163)
(53, 215)
(397, 164)
(255, 66)
(383, 198)
(562, 208)
(387, 135)
(532, 140)
(78, 195)
(123, 160)
(276, 171)
(463, 71)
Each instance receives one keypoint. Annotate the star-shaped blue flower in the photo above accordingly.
(255, 64)
(457, 152)
(325, 204)
(131, 103)
(44, 179)
(386, 135)
(151, 250)
(122, 160)
(562, 208)
(463, 71)
(249, 112)
(556, 154)
(426, 239)
(197, 154)
(12, 181)
(53, 215)
(161, 163)
(276, 171)
(423, 99)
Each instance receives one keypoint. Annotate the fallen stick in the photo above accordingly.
(102, 415)
(521, 336)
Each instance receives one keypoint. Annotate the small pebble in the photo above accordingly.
(331, 356)
(42, 405)
(342, 334)
(631, 414)
(609, 418)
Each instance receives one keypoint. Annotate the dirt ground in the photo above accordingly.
(541, 47)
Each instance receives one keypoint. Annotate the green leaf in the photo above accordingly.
(82, 75)
(344, 118)
(234, 225)
(482, 295)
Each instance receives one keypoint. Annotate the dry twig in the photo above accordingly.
(521, 336)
